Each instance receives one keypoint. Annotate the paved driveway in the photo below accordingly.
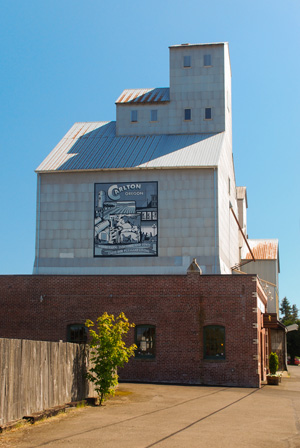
(145, 416)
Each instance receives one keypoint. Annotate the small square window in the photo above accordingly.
(153, 115)
(145, 341)
(187, 61)
(208, 115)
(134, 116)
(77, 333)
(187, 114)
(207, 60)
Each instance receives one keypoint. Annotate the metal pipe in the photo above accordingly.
(244, 237)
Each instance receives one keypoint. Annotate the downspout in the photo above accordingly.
(215, 211)
(38, 222)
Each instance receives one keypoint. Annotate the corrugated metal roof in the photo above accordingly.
(197, 45)
(133, 96)
(262, 250)
(94, 146)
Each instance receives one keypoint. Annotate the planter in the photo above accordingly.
(273, 380)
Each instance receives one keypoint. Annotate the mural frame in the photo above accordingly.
(125, 219)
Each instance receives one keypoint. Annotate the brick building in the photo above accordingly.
(198, 329)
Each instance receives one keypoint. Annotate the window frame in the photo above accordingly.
(187, 59)
(216, 356)
(205, 117)
(137, 342)
(155, 111)
(185, 113)
(205, 56)
(134, 116)
(80, 327)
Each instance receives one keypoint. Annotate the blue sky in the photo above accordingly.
(68, 60)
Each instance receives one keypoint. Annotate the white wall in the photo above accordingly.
(195, 88)
(194, 215)
(228, 228)
(266, 270)
(186, 225)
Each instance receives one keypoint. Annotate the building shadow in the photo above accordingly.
(80, 384)
(100, 148)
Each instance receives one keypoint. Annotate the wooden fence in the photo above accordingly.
(36, 375)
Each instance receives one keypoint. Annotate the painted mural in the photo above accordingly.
(125, 219)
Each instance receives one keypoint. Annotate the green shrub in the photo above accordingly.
(273, 363)
(108, 352)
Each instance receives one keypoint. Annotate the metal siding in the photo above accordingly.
(93, 146)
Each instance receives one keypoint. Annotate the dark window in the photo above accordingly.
(214, 342)
(77, 333)
(145, 341)
(153, 115)
(208, 113)
(134, 116)
(187, 61)
(207, 60)
(187, 114)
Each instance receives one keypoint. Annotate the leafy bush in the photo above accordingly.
(108, 352)
(273, 363)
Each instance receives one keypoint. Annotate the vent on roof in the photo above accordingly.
(185, 44)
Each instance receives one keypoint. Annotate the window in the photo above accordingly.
(77, 333)
(208, 113)
(214, 342)
(145, 341)
(207, 60)
(187, 61)
(134, 116)
(187, 114)
(153, 115)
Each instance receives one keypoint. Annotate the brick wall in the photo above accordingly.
(179, 307)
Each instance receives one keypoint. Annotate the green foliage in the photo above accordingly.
(108, 352)
(285, 310)
(295, 312)
(288, 312)
(81, 404)
(290, 316)
(273, 363)
(293, 342)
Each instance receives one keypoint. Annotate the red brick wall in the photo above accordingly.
(178, 305)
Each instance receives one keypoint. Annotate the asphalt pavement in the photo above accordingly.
(147, 415)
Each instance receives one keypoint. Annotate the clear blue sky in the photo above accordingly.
(68, 60)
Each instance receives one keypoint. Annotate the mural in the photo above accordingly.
(125, 219)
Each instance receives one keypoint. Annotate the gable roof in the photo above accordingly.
(95, 146)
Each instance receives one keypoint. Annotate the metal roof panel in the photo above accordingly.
(135, 96)
(263, 249)
(94, 146)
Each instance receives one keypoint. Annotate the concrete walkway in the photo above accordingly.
(145, 416)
